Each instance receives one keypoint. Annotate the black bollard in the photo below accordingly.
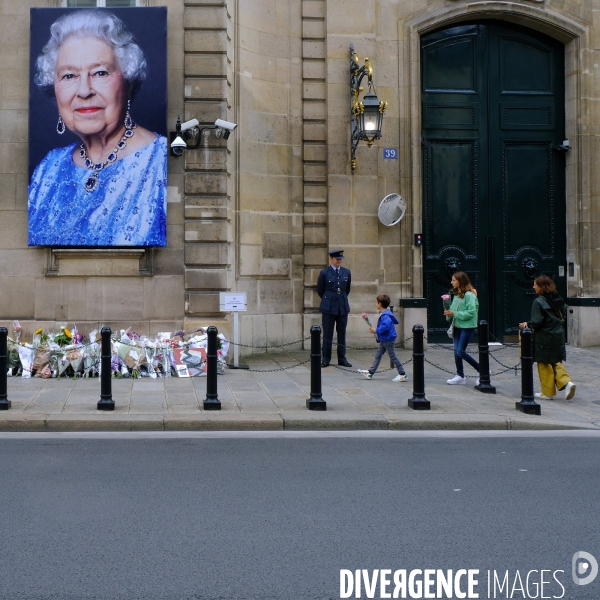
(4, 401)
(418, 401)
(212, 401)
(528, 404)
(315, 402)
(484, 360)
(106, 402)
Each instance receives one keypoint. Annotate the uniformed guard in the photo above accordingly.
(333, 287)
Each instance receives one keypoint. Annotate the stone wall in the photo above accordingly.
(379, 256)
(269, 203)
(257, 213)
(207, 186)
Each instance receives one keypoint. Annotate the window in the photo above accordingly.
(102, 3)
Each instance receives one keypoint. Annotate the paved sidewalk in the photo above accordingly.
(272, 396)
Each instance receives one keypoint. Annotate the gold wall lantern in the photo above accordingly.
(366, 117)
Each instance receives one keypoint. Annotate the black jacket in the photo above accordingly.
(334, 291)
(547, 322)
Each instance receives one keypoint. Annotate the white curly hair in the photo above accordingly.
(105, 26)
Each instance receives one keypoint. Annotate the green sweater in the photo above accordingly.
(465, 311)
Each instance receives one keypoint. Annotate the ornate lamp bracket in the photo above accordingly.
(368, 129)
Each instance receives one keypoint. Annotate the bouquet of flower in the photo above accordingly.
(64, 337)
(77, 338)
(150, 356)
(92, 357)
(364, 316)
(71, 359)
(40, 338)
(41, 363)
(13, 361)
(26, 356)
(446, 301)
(17, 328)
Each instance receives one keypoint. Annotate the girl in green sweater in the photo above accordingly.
(463, 310)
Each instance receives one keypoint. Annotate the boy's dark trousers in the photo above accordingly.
(382, 348)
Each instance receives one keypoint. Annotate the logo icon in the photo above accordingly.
(584, 564)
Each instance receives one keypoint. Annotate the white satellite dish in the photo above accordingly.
(391, 209)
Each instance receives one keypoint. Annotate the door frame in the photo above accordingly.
(575, 36)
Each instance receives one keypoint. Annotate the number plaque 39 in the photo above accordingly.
(390, 153)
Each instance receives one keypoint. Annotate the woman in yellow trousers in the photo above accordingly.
(547, 322)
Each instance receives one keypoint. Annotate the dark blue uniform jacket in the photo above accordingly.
(334, 291)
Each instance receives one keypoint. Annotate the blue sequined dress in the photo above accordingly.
(127, 208)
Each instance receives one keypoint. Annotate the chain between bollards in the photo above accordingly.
(418, 401)
(527, 404)
(106, 402)
(484, 384)
(212, 401)
(315, 402)
(4, 401)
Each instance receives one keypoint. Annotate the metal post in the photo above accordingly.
(236, 339)
(484, 361)
(528, 404)
(4, 401)
(418, 401)
(212, 401)
(315, 402)
(236, 343)
(106, 402)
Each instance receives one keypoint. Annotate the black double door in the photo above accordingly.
(493, 173)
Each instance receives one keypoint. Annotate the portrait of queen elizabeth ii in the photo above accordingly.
(109, 186)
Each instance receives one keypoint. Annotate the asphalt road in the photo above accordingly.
(278, 518)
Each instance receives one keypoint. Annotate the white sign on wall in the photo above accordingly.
(232, 301)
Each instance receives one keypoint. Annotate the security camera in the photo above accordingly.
(564, 147)
(178, 145)
(225, 125)
(189, 124)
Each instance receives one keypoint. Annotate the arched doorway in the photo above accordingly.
(493, 119)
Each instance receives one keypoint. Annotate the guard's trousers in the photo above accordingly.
(329, 322)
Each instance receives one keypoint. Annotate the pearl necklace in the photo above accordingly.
(91, 182)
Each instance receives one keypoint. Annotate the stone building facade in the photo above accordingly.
(258, 212)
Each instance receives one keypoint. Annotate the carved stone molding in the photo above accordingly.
(91, 262)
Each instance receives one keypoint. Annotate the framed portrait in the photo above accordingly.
(97, 127)
(190, 362)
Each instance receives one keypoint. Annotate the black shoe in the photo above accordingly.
(324, 364)
(343, 362)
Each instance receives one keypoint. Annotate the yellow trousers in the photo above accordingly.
(551, 377)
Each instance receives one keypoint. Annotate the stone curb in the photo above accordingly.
(223, 422)
(310, 421)
(322, 421)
